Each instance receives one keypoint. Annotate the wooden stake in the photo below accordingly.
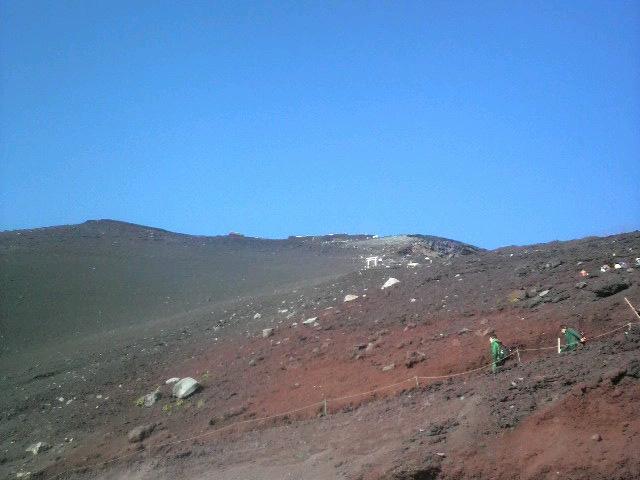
(518, 353)
(559, 350)
(325, 407)
(417, 384)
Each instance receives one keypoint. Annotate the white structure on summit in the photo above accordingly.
(372, 260)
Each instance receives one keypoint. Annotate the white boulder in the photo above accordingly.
(185, 387)
(350, 297)
(390, 283)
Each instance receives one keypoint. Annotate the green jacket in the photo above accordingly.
(572, 338)
(496, 350)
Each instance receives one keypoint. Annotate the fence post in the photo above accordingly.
(417, 383)
(518, 353)
(559, 350)
(324, 409)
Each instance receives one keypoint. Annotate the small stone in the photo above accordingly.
(517, 295)
(151, 398)
(543, 293)
(257, 316)
(267, 332)
(389, 367)
(310, 321)
(580, 285)
(172, 380)
(252, 362)
(596, 437)
(350, 298)
(141, 432)
(38, 447)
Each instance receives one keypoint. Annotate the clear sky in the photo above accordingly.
(494, 123)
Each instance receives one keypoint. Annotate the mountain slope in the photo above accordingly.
(72, 281)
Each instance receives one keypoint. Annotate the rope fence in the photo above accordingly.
(323, 405)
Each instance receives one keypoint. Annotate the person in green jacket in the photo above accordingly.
(498, 353)
(572, 338)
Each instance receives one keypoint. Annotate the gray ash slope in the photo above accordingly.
(70, 281)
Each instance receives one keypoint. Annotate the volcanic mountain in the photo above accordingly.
(308, 367)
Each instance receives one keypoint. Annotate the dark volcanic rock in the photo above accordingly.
(633, 369)
(532, 292)
(560, 297)
(413, 358)
(427, 467)
(610, 286)
(443, 427)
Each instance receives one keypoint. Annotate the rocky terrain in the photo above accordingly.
(97, 317)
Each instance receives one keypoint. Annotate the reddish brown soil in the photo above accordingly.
(563, 439)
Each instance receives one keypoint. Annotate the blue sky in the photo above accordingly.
(494, 123)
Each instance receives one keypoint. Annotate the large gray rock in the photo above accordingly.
(185, 387)
(610, 286)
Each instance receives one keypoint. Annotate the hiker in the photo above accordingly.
(572, 338)
(498, 353)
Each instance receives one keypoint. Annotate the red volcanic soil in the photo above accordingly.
(573, 415)
(592, 432)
